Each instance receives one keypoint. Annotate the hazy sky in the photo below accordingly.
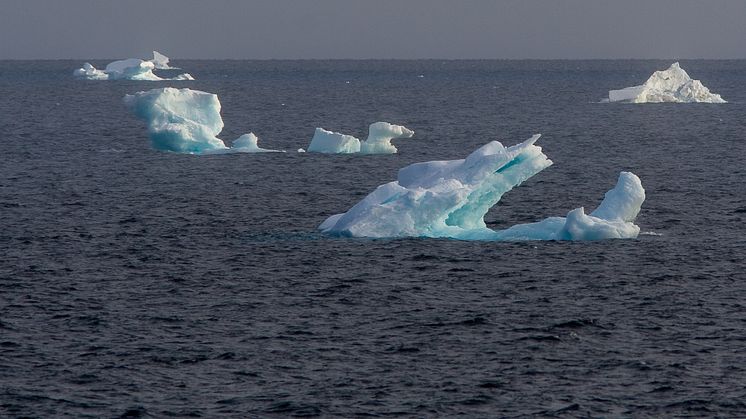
(373, 28)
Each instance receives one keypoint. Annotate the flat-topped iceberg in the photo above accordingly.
(324, 141)
(186, 121)
(379, 139)
(130, 69)
(449, 199)
(672, 85)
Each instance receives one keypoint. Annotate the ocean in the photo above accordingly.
(139, 283)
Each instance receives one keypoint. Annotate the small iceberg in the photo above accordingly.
(130, 69)
(186, 121)
(379, 139)
(672, 85)
(449, 199)
(160, 62)
(324, 141)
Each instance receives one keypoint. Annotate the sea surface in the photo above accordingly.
(139, 283)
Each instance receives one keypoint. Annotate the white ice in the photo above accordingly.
(247, 143)
(186, 121)
(129, 69)
(613, 219)
(450, 198)
(380, 135)
(379, 139)
(324, 141)
(671, 85)
(161, 62)
(89, 72)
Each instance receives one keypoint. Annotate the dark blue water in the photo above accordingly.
(146, 284)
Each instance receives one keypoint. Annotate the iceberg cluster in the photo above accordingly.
(672, 85)
(130, 69)
(450, 198)
(439, 199)
(186, 121)
(379, 139)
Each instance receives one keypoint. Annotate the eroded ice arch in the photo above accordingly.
(450, 198)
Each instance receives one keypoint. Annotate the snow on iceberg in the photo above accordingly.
(379, 139)
(186, 121)
(672, 85)
(450, 198)
(129, 69)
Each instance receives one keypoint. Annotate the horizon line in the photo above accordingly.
(391, 59)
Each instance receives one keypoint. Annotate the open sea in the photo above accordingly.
(143, 284)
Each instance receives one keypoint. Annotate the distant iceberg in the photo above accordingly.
(449, 199)
(130, 69)
(89, 72)
(160, 62)
(672, 85)
(379, 139)
(186, 121)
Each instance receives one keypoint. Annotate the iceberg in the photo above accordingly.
(90, 72)
(247, 143)
(129, 69)
(186, 121)
(671, 85)
(449, 199)
(324, 141)
(379, 139)
(613, 219)
(380, 135)
(160, 62)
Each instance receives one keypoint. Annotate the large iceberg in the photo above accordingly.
(186, 121)
(450, 198)
(130, 69)
(379, 139)
(672, 85)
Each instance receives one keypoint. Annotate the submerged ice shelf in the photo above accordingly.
(449, 199)
(186, 121)
(379, 139)
(671, 85)
(130, 69)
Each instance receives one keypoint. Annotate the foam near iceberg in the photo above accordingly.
(379, 139)
(186, 121)
(130, 69)
(449, 199)
(671, 85)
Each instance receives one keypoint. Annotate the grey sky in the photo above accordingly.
(373, 28)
